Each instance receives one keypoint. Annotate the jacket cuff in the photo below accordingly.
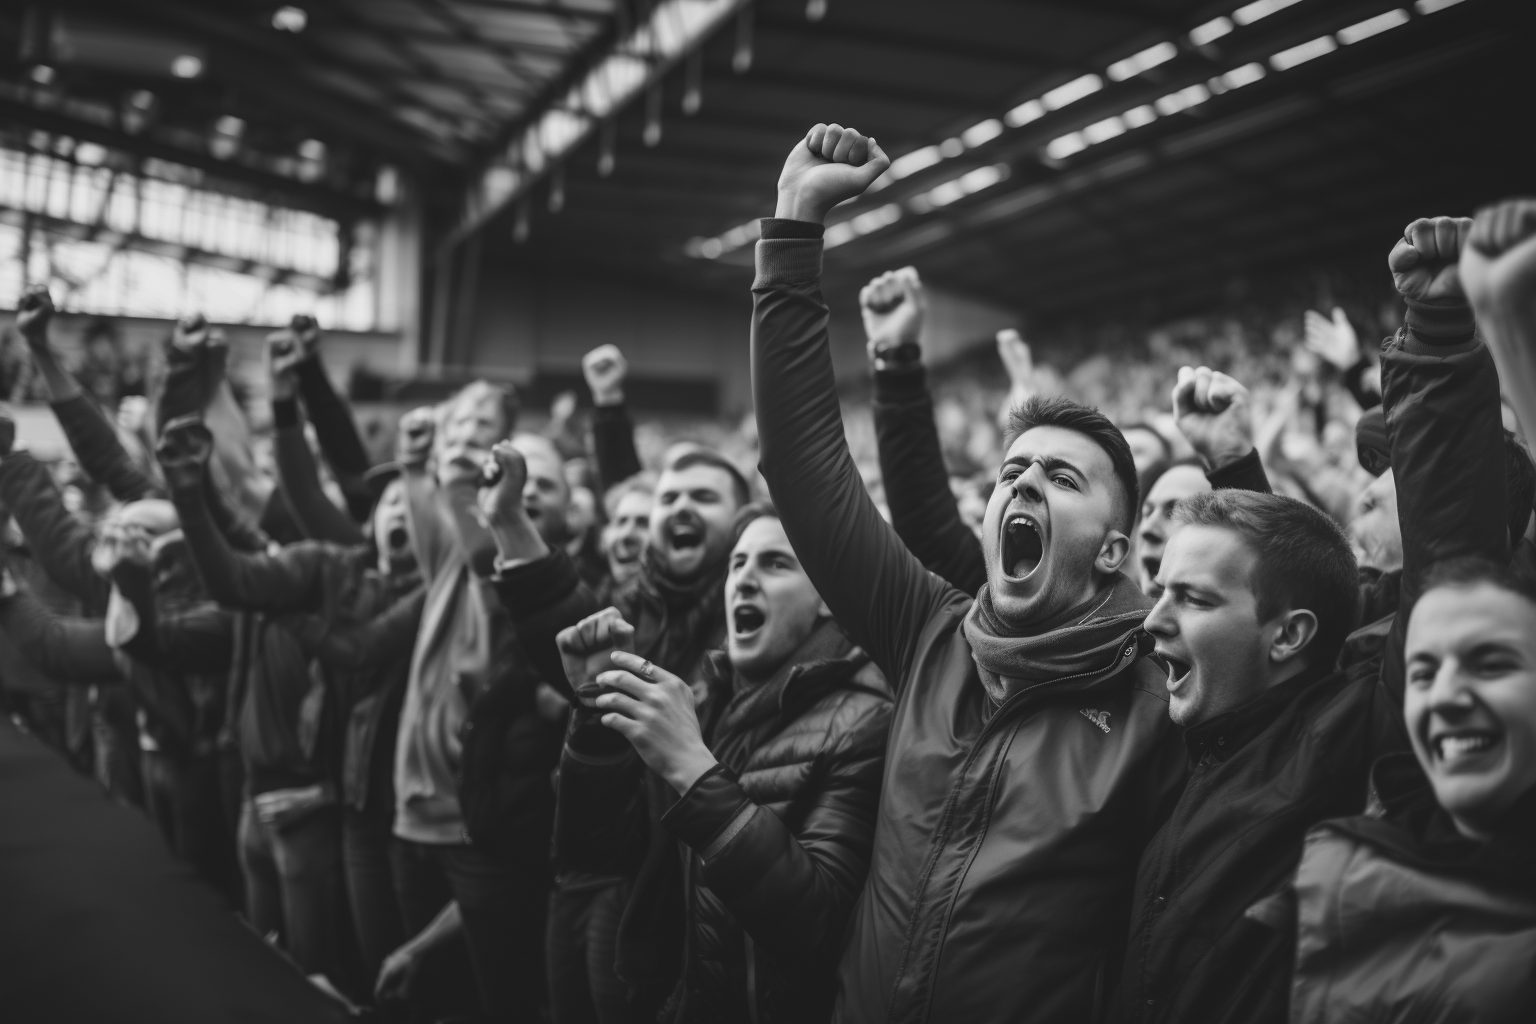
(901, 385)
(285, 413)
(1439, 325)
(711, 813)
(783, 227)
(534, 586)
(1246, 474)
(591, 742)
(788, 261)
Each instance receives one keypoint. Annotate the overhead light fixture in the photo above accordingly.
(42, 74)
(1250, 13)
(311, 160)
(1029, 110)
(815, 10)
(1208, 33)
(1071, 92)
(557, 188)
(290, 19)
(1300, 54)
(693, 83)
(187, 66)
(741, 59)
(1146, 60)
(225, 141)
(1372, 26)
(651, 136)
(386, 187)
(1431, 6)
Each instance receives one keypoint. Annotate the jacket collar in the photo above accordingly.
(1227, 733)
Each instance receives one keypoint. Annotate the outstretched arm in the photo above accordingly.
(340, 443)
(878, 592)
(923, 510)
(1498, 269)
(613, 432)
(297, 474)
(68, 648)
(61, 543)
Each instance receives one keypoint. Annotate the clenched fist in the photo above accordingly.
(33, 313)
(503, 476)
(307, 332)
(1423, 262)
(191, 332)
(830, 165)
(413, 438)
(184, 449)
(893, 306)
(1498, 265)
(283, 357)
(586, 650)
(605, 370)
(1214, 414)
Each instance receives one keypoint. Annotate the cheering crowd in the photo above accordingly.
(1152, 722)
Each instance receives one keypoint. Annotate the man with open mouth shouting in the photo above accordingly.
(1031, 752)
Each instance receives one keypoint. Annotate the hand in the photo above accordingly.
(1214, 414)
(1423, 262)
(586, 650)
(184, 449)
(7, 434)
(1498, 265)
(33, 313)
(503, 474)
(120, 543)
(307, 333)
(284, 355)
(280, 808)
(605, 369)
(397, 975)
(832, 164)
(191, 332)
(1332, 340)
(894, 306)
(1017, 359)
(653, 709)
(413, 438)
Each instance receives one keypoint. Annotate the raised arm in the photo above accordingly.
(340, 443)
(1498, 269)
(1440, 395)
(1215, 415)
(61, 543)
(875, 588)
(297, 474)
(613, 432)
(923, 510)
(68, 648)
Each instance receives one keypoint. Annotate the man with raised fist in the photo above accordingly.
(1031, 754)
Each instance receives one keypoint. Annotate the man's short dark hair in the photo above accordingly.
(1469, 572)
(749, 514)
(1520, 483)
(1304, 560)
(701, 456)
(1092, 424)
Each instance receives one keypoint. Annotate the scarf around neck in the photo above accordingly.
(1086, 643)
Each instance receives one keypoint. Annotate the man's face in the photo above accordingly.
(473, 422)
(1374, 532)
(1470, 702)
(691, 520)
(771, 606)
(1207, 624)
(1056, 504)
(1157, 525)
(390, 531)
(545, 493)
(1147, 448)
(624, 536)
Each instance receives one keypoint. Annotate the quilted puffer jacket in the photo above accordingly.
(1402, 919)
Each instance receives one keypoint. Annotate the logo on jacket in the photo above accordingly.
(1098, 718)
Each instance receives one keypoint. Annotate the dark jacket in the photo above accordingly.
(1267, 771)
(1008, 834)
(1402, 919)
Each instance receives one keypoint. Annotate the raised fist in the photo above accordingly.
(605, 369)
(1332, 340)
(586, 649)
(191, 332)
(120, 543)
(33, 313)
(184, 449)
(1214, 415)
(284, 353)
(1498, 265)
(1017, 359)
(502, 477)
(893, 306)
(7, 433)
(830, 165)
(307, 332)
(413, 439)
(1423, 262)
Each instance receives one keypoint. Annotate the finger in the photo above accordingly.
(1446, 234)
(644, 668)
(830, 140)
(1203, 388)
(626, 683)
(1463, 232)
(876, 162)
(1420, 234)
(859, 151)
(843, 153)
(1183, 391)
(1224, 391)
(621, 701)
(1403, 257)
(626, 727)
(813, 138)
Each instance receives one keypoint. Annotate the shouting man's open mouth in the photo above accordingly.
(1023, 545)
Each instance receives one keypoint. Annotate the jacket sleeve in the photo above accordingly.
(101, 454)
(923, 510)
(613, 445)
(1246, 474)
(385, 640)
(1440, 396)
(600, 810)
(300, 480)
(878, 592)
(792, 894)
(70, 649)
(61, 544)
(542, 597)
(340, 443)
(194, 638)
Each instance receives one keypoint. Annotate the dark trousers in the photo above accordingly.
(581, 943)
(365, 845)
(293, 886)
(503, 908)
(182, 796)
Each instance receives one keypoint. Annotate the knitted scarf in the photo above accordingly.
(1084, 644)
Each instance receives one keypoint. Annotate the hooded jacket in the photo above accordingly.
(1402, 919)
(1008, 833)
